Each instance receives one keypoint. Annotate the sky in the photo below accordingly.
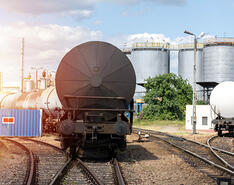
(53, 27)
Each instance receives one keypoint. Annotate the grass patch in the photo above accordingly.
(173, 127)
(161, 125)
(173, 123)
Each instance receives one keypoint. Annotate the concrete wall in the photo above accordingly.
(204, 115)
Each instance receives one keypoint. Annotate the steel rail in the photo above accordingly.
(89, 172)
(30, 178)
(59, 175)
(215, 153)
(46, 144)
(215, 148)
(162, 133)
(120, 179)
(197, 156)
(189, 152)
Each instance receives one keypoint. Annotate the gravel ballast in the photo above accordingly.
(152, 163)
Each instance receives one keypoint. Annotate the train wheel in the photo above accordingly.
(73, 152)
(122, 144)
(63, 145)
(220, 133)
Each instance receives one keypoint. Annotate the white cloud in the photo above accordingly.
(82, 8)
(75, 8)
(123, 41)
(190, 39)
(148, 37)
(134, 13)
(46, 6)
(97, 22)
(79, 14)
(45, 45)
(162, 2)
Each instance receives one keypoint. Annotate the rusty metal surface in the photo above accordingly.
(94, 97)
(95, 69)
(44, 99)
(118, 173)
(89, 172)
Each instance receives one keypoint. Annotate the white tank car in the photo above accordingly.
(45, 99)
(222, 103)
(222, 99)
(8, 101)
(50, 101)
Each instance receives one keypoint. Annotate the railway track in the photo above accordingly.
(41, 167)
(31, 168)
(227, 158)
(225, 143)
(215, 168)
(47, 159)
(86, 172)
(79, 171)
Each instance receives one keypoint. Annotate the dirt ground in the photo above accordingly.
(152, 163)
(142, 163)
(200, 136)
(12, 161)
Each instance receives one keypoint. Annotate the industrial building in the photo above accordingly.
(214, 57)
(204, 117)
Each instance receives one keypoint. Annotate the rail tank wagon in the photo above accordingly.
(222, 103)
(95, 83)
(47, 100)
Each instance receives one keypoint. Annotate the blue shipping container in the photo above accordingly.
(15, 122)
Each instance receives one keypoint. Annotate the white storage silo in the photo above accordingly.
(149, 59)
(218, 59)
(186, 66)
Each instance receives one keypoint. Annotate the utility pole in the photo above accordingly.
(194, 85)
(194, 117)
(22, 67)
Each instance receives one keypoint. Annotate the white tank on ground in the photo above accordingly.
(44, 99)
(222, 99)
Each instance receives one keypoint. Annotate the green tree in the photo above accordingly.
(201, 102)
(166, 96)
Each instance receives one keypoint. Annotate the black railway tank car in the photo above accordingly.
(95, 83)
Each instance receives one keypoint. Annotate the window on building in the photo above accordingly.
(204, 120)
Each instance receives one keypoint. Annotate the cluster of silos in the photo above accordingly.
(215, 64)
(149, 59)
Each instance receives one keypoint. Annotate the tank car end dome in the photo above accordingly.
(222, 99)
(95, 69)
